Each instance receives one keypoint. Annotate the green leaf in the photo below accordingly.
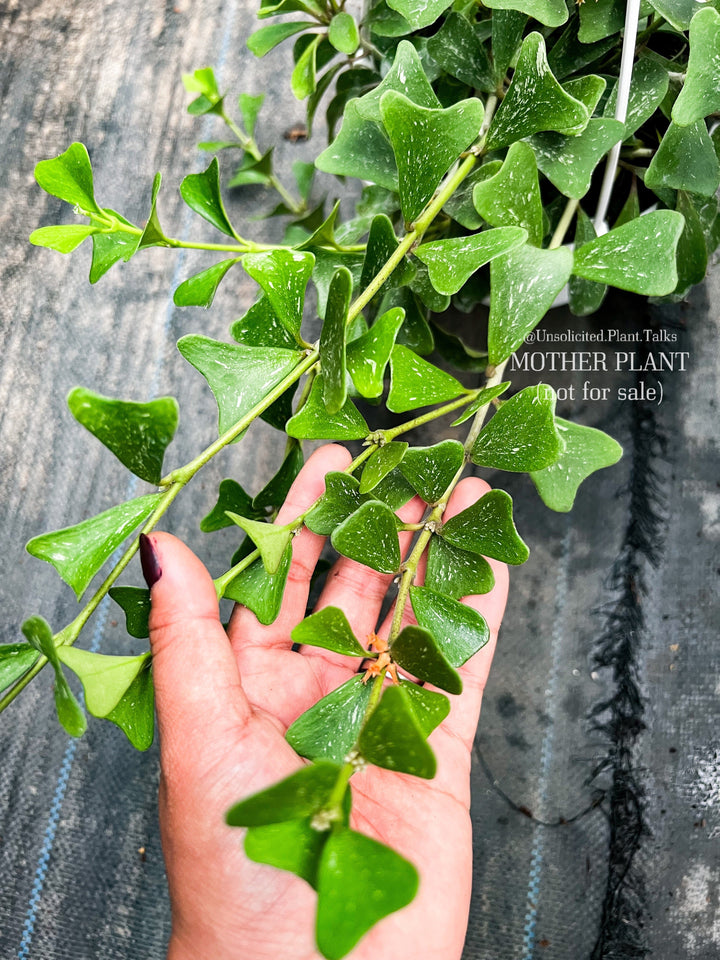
(370, 536)
(78, 552)
(325, 233)
(265, 39)
(200, 289)
(457, 48)
(588, 90)
(63, 238)
(329, 628)
(394, 490)
(600, 19)
(274, 493)
(201, 192)
(384, 22)
(700, 95)
(231, 498)
(647, 91)
(458, 630)
(270, 8)
(343, 33)
(679, 13)
(326, 264)
(512, 196)
(239, 376)
(252, 171)
(69, 177)
(393, 738)
(303, 78)
(381, 244)
(137, 433)
(685, 160)
(381, 463)
(250, 105)
(38, 633)
(482, 400)
(521, 436)
(524, 284)
(313, 422)
(283, 276)
(332, 341)
(456, 351)
(550, 12)
(586, 450)
(203, 82)
(153, 234)
(330, 728)
(135, 602)
(360, 881)
(487, 527)
(260, 327)
(135, 711)
(260, 591)
(271, 540)
(360, 150)
(367, 357)
(569, 162)
(416, 650)
(430, 470)
(15, 660)
(419, 15)
(453, 261)
(426, 143)
(294, 846)
(105, 679)
(692, 253)
(638, 256)
(456, 573)
(585, 296)
(426, 292)
(430, 708)
(109, 248)
(70, 714)
(340, 499)
(302, 794)
(415, 332)
(416, 383)
(507, 30)
(406, 76)
(535, 101)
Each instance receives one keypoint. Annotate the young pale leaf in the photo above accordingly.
(416, 383)
(381, 463)
(274, 493)
(343, 33)
(569, 162)
(638, 256)
(586, 450)
(332, 341)
(271, 540)
(458, 630)
(700, 95)
(341, 498)
(283, 275)
(370, 536)
(302, 794)
(260, 327)
(109, 248)
(487, 528)
(452, 262)
(268, 8)
(231, 498)
(303, 79)
(360, 150)
(535, 101)
(431, 469)
(550, 12)
(360, 881)
(201, 192)
(430, 708)
(70, 714)
(200, 289)
(457, 48)
(585, 296)
(329, 628)
(456, 573)
(330, 728)
(63, 238)
(135, 602)
(367, 357)
(524, 284)
(105, 679)
(314, 422)
(15, 660)
(393, 738)
(203, 82)
(416, 650)
(293, 845)
(419, 15)
(260, 591)
(78, 552)
(482, 400)
(406, 76)
(426, 143)
(250, 105)
(521, 436)
(265, 39)
(685, 160)
(512, 196)
(70, 178)
(240, 377)
(137, 433)
(135, 711)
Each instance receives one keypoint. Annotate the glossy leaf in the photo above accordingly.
(330, 728)
(455, 572)
(135, 711)
(78, 552)
(587, 89)
(313, 422)
(416, 650)
(381, 463)
(360, 150)
(585, 296)
(429, 706)
(638, 256)
(482, 400)
(260, 327)
(105, 679)
(421, 14)
(231, 497)
(512, 196)
(252, 171)
(325, 233)
(368, 356)
(521, 435)
(600, 19)
(283, 275)
(15, 660)
(153, 234)
(458, 630)
(260, 591)
(692, 251)
(569, 162)
(524, 284)
(586, 450)
(679, 13)
(394, 490)
(239, 376)
(270, 8)
(293, 845)
(535, 101)
(685, 160)
(270, 539)
(135, 603)
(69, 177)
(394, 739)
(109, 248)
(647, 91)
(340, 499)
(343, 33)
(421, 285)
(327, 263)
(457, 48)
(332, 341)
(360, 881)
(70, 714)
(426, 143)
(431, 469)
(507, 30)
(200, 289)
(303, 79)
(416, 383)
(201, 192)
(415, 332)
(275, 491)
(406, 76)
(487, 528)
(64, 238)
(265, 39)
(370, 536)
(329, 628)
(453, 261)
(137, 433)
(700, 95)
(302, 794)
(550, 12)
(381, 244)
(204, 83)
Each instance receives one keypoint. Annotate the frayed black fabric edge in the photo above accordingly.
(619, 718)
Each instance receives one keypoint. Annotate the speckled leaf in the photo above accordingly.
(600, 19)
(275, 491)
(78, 552)
(416, 650)
(329, 628)
(585, 296)
(507, 31)
(64, 238)
(343, 33)
(487, 528)
(135, 603)
(341, 498)
(692, 251)
(360, 150)
(647, 91)
(105, 679)
(393, 738)
(552, 13)
(394, 490)
(685, 160)
(293, 845)
(332, 341)
(588, 90)
(270, 539)
(314, 422)
(231, 496)
(381, 463)
(137, 433)
(524, 284)
(679, 13)
(638, 256)
(367, 357)
(370, 536)
(199, 290)
(239, 376)
(69, 177)
(302, 794)
(522, 435)
(511, 198)
(535, 101)
(419, 13)
(406, 76)
(360, 881)
(260, 591)
(700, 95)
(416, 383)
(15, 660)
(429, 706)
(135, 712)
(455, 572)
(453, 261)
(457, 48)
(201, 192)
(482, 400)
(283, 275)
(265, 39)
(431, 469)
(569, 162)
(330, 728)
(586, 450)
(69, 712)
(415, 331)
(460, 205)
(381, 244)
(260, 327)
(326, 264)
(458, 630)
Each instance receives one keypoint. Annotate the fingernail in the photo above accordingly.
(149, 561)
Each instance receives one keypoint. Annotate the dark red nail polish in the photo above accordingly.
(148, 559)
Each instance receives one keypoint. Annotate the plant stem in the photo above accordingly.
(563, 223)
(493, 376)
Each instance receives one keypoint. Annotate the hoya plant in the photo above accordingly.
(505, 154)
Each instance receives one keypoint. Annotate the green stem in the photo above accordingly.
(493, 377)
(222, 582)
(432, 415)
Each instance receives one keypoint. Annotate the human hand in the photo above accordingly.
(224, 702)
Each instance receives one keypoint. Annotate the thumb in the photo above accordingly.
(197, 685)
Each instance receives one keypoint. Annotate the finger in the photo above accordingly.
(244, 630)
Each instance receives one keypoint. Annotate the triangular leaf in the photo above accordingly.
(685, 160)
(63, 238)
(415, 331)
(250, 105)
(452, 262)
(381, 463)
(679, 13)
(419, 15)
(370, 536)
(455, 572)
(293, 845)
(522, 435)
(487, 528)
(416, 383)
(367, 357)
(550, 12)
(600, 19)
(69, 177)
(507, 30)
(313, 422)
(109, 248)
(585, 296)
(69, 712)
(329, 628)
(458, 630)
(588, 90)
(270, 539)
(153, 234)
(647, 91)
(429, 706)
(302, 794)
(252, 171)
(15, 660)
(360, 150)
(569, 162)
(135, 602)
(406, 76)
(201, 192)
(332, 341)
(274, 492)
(700, 95)
(330, 728)
(259, 590)
(393, 738)
(381, 244)
(416, 650)
(512, 196)
(481, 400)
(135, 711)
(200, 289)
(458, 49)
(394, 490)
(341, 498)
(231, 497)
(105, 679)
(260, 327)
(326, 265)
(283, 275)
(430, 470)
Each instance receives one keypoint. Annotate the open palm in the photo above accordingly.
(224, 703)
